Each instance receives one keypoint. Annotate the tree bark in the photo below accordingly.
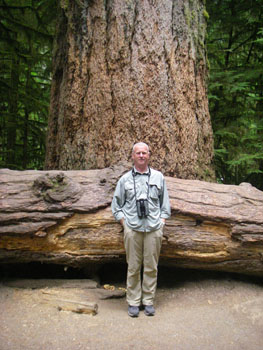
(65, 218)
(128, 71)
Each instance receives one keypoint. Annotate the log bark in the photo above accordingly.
(65, 218)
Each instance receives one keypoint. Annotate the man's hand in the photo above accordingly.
(122, 222)
(165, 233)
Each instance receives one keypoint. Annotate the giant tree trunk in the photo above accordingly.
(127, 71)
(65, 218)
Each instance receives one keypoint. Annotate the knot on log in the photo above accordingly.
(57, 188)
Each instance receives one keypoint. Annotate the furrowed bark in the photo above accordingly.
(129, 71)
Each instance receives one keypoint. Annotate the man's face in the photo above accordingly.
(140, 157)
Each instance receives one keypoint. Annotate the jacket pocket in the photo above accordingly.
(154, 192)
(129, 191)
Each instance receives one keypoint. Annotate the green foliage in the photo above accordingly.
(235, 51)
(26, 34)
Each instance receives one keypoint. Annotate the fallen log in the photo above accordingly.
(78, 304)
(64, 217)
(79, 296)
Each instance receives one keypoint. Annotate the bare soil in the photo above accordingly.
(194, 310)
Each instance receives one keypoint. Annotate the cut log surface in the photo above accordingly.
(65, 218)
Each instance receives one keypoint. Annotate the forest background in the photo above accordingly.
(235, 85)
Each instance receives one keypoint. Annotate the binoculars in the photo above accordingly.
(142, 208)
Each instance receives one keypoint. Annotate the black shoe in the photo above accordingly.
(133, 311)
(149, 310)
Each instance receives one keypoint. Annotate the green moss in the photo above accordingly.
(187, 14)
(193, 16)
(206, 14)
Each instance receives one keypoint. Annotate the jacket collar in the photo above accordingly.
(136, 172)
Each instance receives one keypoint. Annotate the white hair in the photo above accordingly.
(140, 144)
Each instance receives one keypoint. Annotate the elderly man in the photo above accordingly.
(141, 204)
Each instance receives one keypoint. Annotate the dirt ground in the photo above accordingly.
(194, 311)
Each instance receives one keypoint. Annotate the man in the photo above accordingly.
(141, 204)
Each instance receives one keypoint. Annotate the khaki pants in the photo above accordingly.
(142, 249)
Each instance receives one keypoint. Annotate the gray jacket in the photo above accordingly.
(124, 202)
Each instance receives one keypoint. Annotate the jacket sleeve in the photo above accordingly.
(118, 201)
(165, 202)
